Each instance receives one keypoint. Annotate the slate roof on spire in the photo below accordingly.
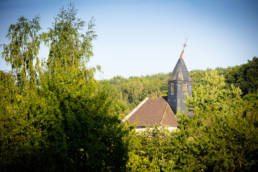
(180, 72)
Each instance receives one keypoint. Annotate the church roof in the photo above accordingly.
(180, 72)
(153, 112)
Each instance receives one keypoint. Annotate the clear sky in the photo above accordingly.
(140, 37)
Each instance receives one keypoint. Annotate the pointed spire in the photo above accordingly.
(180, 72)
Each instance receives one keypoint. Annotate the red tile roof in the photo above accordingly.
(153, 112)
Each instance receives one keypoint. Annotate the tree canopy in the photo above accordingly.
(55, 116)
(68, 121)
(219, 137)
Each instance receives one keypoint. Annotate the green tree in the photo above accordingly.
(134, 89)
(244, 76)
(210, 93)
(21, 133)
(68, 121)
(88, 134)
(150, 150)
(67, 45)
(23, 48)
(219, 136)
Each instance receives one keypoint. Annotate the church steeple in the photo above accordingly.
(180, 72)
(179, 85)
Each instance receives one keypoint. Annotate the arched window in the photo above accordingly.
(172, 88)
(185, 88)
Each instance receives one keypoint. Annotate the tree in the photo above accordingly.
(210, 94)
(87, 134)
(150, 150)
(244, 76)
(23, 48)
(68, 121)
(21, 132)
(134, 89)
(67, 45)
(219, 136)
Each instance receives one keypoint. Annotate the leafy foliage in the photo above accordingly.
(150, 151)
(133, 90)
(67, 45)
(244, 76)
(219, 137)
(54, 116)
(23, 48)
(66, 121)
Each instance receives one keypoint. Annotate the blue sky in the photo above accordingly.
(140, 37)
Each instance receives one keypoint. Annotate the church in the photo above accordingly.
(162, 111)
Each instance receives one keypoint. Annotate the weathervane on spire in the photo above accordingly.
(182, 52)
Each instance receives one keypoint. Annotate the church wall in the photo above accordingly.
(172, 98)
(176, 101)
